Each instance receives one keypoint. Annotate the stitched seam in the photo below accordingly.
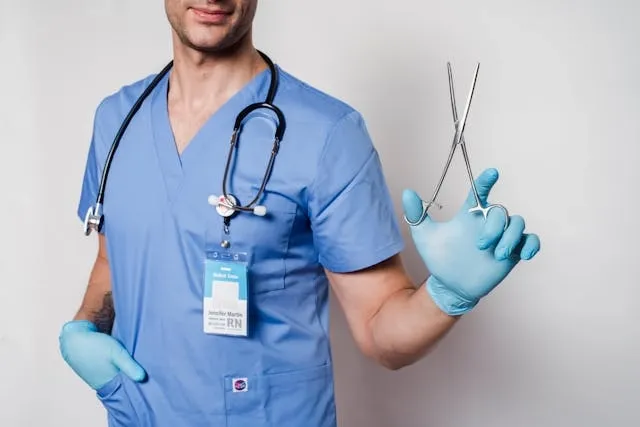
(286, 255)
(317, 290)
(321, 158)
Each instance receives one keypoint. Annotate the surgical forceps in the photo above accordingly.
(458, 139)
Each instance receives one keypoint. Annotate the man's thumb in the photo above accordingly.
(125, 363)
(412, 205)
(484, 184)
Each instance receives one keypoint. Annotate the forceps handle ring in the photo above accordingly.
(425, 209)
(485, 212)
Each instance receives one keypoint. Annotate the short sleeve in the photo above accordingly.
(93, 167)
(351, 211)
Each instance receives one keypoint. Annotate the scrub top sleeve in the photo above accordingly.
(93, 167)
(350, 208)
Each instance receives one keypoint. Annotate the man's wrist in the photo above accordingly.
(82, 315)
(450, 302)
(79, 325)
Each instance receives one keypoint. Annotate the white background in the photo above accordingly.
(556, 111)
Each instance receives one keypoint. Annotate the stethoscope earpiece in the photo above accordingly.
(227, 206)
(260, 210)
(93, 219)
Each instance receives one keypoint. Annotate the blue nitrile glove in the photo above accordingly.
(468, 256)
(96, 357)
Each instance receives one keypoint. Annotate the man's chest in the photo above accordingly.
(186, 124)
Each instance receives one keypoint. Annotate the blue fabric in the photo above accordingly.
(121, 412)
(328, 207)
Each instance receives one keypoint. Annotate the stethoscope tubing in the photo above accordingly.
(94, 217)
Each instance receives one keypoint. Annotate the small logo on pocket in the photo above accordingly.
(240, 385)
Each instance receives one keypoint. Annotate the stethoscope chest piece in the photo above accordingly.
(224, 204)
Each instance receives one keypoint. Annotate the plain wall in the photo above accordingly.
(556, 111)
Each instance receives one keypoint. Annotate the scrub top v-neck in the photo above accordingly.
(214, 133)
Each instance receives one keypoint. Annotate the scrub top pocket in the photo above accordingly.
(282, 399)
(265, 239)
(116, 401)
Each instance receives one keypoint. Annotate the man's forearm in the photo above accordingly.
(407, 326)
(97, 304)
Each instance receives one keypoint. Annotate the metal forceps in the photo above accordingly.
(458, 139)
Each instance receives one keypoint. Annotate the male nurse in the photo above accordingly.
(197, 318)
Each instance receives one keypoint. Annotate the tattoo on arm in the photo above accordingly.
(105, 316)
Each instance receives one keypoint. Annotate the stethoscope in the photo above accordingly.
(226, 205)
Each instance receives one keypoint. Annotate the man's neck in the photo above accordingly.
(201, 80)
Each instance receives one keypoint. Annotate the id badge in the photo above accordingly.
(225, 293)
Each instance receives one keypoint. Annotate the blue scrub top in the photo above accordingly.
(328, 207)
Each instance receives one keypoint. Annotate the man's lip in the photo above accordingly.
(210, 16)
(211, 11)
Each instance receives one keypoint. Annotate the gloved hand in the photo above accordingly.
(468, 256)
(94, 356)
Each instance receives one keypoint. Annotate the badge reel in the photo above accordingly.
(225, 280)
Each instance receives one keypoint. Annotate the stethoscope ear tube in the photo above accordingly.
(123, 128)
(230, 202)
(280, 128)
(94, 218)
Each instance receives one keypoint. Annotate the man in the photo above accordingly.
(162, 332)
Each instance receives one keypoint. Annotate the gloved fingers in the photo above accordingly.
(530, 246)
(121, 358)
(511, 237)
(412, 205)
(493, 228)
(484, 184)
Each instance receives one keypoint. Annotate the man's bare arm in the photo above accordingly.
(97, 304)
(392, 321)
